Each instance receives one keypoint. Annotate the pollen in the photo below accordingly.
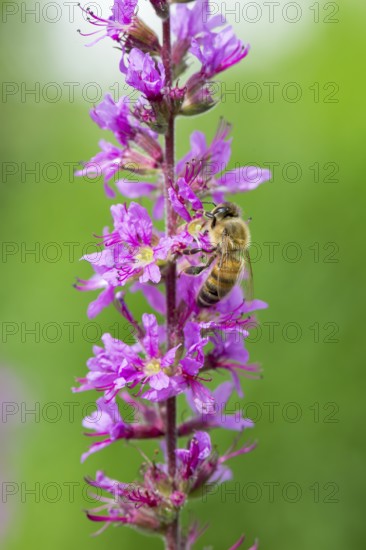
(194, 228)
(152, 367)
(145, 255)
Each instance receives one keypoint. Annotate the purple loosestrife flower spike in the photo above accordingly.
(175, 347)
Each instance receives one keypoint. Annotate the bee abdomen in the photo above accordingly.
(216, 287)
(208, 295)
(225, 277)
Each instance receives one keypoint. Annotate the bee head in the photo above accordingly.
(223, 211)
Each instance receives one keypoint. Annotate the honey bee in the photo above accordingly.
(229, 258)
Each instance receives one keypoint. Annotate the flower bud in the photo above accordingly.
(134, 161)
(141, 36)
(178, 498)
(198, 98)
(177, 97)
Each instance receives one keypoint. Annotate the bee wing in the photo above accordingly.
(237, 262)
(230, 262)
(248, 277)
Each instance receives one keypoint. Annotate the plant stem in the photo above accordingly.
(172, 534)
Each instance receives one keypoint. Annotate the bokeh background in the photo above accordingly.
(303, 486)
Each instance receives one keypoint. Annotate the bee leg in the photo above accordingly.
(197, 269)
(191, 251)
(194, 269)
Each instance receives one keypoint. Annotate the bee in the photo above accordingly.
(229, 258)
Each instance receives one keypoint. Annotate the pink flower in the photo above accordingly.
(144, 73)
(218, 51)
(132, 252)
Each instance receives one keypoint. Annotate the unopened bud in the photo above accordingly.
(140, 36)
(178, 498)
(177, 96)
(198, 98)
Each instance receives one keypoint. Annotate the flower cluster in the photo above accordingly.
(150, 503)
(180, 346)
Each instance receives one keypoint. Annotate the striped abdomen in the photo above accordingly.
(220, 282)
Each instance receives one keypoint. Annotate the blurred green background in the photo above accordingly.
(308, 404)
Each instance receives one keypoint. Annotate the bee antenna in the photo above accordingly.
(209, 202)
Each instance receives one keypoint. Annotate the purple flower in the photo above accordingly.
(226, 325)
(110, 160)
(187, 287)
(213, 157)
(117, 24)
(189, 23)
(134, 189)
(107, 422)
(218, 51)
(130, 504)
(199, 449)
(97, 282)
(132, 251)
(182, 195)
(144, 504)
(123, 10)
(118, 118)
(215, 415)
(239, 180)
(186, 376)
(107, 162)
(198, 465)
(106, 368)
(144, 74)
(206, 161)
(115, 117)
(243, 450)
(229, 353)
(124, 27)
(227, 317)
(180, 383)
(230, 315)
(118, 365)
(136, 247)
